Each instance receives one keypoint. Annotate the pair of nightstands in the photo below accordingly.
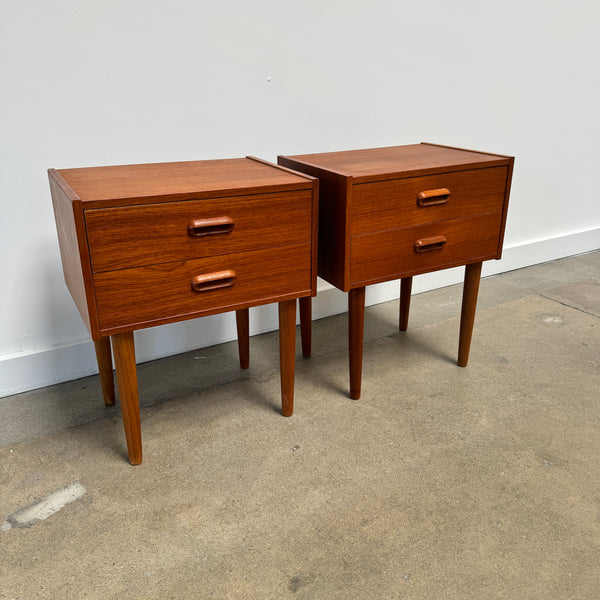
(145, 245)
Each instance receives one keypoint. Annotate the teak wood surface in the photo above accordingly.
(145, 245)
(102, 187)
(392, 213)
(134, 236)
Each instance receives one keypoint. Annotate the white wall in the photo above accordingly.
(122, 81)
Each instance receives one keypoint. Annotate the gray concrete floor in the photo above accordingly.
(440, 483)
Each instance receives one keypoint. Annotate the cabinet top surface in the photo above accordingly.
(235, 176)
(402, 160)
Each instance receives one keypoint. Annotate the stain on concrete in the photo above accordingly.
(298, 581)
(549, 460)
(44, 507)
(551, 319)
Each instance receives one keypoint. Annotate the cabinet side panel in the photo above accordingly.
(505, 207)
(314, 237)
(332, 222)
(64, 215)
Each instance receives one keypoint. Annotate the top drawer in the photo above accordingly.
(397, 203)
(153, 233)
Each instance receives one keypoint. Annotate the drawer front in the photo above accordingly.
(401, 252)
(151, 295)
(159, 233)
(399, 203)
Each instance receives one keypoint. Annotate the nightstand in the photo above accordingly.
(392, 213)
(146, 245)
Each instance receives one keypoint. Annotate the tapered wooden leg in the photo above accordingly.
(124, 351)
(356, 324)
(243, 335)
(306, 325)
(467, 315)
(405, 289)
(105, 369)
(287, 354)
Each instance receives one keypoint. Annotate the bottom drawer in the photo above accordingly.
(145, 296)
(398, 253)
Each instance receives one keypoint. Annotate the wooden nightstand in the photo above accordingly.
(145, 245)
(391, 213)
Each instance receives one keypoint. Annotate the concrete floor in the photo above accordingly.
(440, 483)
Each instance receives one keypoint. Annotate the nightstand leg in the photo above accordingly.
(243, 336)
(306, 325)
(405, 290)
(467, 315)
(105, 370)
(287, 354)
(124, 350)
(356, 324)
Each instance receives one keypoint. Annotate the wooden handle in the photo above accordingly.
(213, 281)
(213, 226)
(429, 244)
(433, 197)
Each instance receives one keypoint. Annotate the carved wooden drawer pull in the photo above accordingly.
(212, 226)
(429, 244)
(433, 197)
(213, 281)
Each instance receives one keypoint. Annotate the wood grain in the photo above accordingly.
(386, 255)
(405, 291)
(105, 369)
(377, 164)
(466, 150)
(165, 182)
(467, 315)
(392, 204)
(315, 213)
(287, 354)
(335, 193)
(135, 236)
(124, 351)
(145, 296)
(73, 250)
(505, 209)
(356, 326)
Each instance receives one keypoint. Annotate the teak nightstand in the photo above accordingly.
(145, 245)
(391, 213)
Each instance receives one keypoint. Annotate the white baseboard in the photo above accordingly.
(28, 371)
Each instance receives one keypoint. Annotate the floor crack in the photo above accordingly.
(585, 312)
